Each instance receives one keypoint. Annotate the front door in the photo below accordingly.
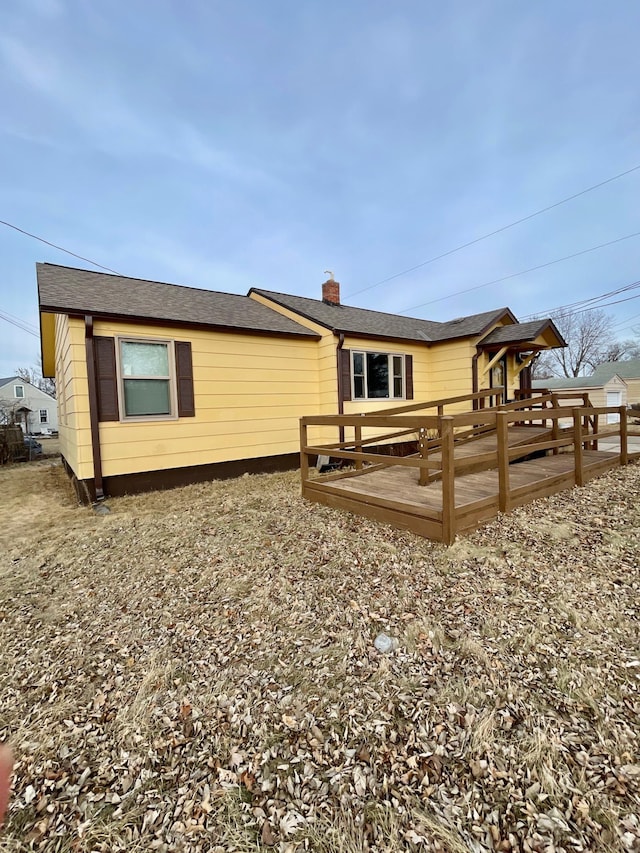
(497, 378)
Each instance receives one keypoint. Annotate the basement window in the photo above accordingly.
(377, 375)
(146, 379)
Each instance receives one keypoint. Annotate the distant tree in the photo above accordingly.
(589, 338)
(33, 376)
(9, 411)
(623, 350)
(540, 369)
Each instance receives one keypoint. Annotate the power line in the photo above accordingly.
(20, 320)
(605, 304)
(582, 302)
(54, 246)
(497, 231)
(19, 324)
(522, 272)
(626, 320)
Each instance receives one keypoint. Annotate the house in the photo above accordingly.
(628, 371)
(602, 390)
(161, 384)
(25, 404)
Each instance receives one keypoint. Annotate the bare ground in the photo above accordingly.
(196, 671)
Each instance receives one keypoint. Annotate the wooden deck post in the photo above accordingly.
(555, 434)
(448, 481)
(357, 430)
(423, 452)
(502, 435)
(624, 446)
(577, 447)
(304, 459)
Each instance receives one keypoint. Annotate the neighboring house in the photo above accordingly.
(629, 371)
(161, 385)
(24, 404)
(602, 392)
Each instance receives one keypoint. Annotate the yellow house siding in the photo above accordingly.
(451, 370)
(250, 392)
(72, 392)
(326, 349)
(326, 357)
(47, 338)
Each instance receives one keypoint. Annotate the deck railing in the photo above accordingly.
(572, 430)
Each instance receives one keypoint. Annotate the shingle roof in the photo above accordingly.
(67, 290)
(565, 382)
(361, 321)
(518, 332)
(625, 369)
(7, 380)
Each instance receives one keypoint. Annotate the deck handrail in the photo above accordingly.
(435, 404)
(541, 396)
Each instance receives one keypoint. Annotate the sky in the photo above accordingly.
(229, 144)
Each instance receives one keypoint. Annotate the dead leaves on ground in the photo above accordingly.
(196, 671)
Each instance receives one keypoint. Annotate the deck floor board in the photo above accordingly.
(401, 484)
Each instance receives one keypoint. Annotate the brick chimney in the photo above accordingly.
(331, 292)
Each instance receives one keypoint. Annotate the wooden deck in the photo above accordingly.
(393, 494)
(479, 464)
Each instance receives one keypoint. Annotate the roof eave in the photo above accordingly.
(167, 321)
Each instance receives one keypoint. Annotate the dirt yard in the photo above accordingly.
(196, 671)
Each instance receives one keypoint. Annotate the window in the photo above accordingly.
(44, 416)
(378, 375)
(146, 371)
(143, 379)
(18, 391)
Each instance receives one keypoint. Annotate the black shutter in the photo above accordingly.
(184, 377)
(408, 376)
(345, 374)
(106, 378)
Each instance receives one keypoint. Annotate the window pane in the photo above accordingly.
(146, 397)
(358, 363)
(19, 390)
(43, 416)
(377, 374)
(142, 359)
(398, 361)
(358, 387)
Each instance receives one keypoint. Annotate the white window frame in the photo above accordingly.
(15, 392)
(390, 373)
(46, 416)
(173, 391)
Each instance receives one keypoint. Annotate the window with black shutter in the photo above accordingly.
(143, 379)
(380, 376)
